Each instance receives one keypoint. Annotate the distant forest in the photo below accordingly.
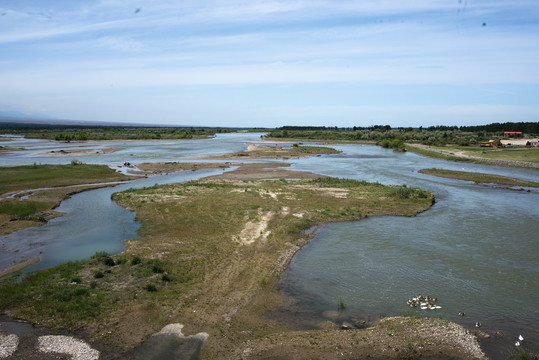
(531, 128)
(69, 133)
(383, 135)
(387, 136)
(524, 127)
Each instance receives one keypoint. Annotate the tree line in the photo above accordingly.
(387, 136)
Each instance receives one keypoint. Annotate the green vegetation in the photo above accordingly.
(36, 209)
(396, 144)
(74, 293)
(450, 152)
(206, 249)
(310, 150)
(439, 153)
(479, 177)
(433, 135)
(15, 178)
(278, 152)
(23, 209)
(70, 133)
(520, 354)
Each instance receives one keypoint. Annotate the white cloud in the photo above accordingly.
(90, 47)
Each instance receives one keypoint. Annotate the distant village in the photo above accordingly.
(515, 139)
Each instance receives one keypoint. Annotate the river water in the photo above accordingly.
(476, 249)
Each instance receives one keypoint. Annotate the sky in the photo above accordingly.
(270, 63)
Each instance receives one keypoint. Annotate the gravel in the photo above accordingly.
(8, 345)
(78, 349)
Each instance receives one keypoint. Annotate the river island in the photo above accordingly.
(210, 256)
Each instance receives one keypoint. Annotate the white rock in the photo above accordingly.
(8, 345)
(78, 349)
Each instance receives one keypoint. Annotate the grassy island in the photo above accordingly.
(209, 256)
(479, 178)
(55, 183)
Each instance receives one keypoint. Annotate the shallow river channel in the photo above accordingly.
(476, 249)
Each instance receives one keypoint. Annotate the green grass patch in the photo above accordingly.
(23, 209)
(438, 155)
(479, 178)
(14, 178)
(200, 251)
(312, 150)
(483, 155)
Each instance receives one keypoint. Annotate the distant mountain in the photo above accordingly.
(20, 118)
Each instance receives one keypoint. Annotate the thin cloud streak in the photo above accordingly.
(110, 47)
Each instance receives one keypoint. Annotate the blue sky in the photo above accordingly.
(272, 63)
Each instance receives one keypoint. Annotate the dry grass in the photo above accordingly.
(209, 257)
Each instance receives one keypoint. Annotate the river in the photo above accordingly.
(476, 250)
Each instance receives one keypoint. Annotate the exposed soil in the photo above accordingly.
(76, 152)
(271, 152)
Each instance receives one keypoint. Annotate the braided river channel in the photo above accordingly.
(476, 249)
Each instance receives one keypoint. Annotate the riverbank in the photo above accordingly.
(480, 178)
(76, 151)
(29, 195)
(210, 255)
(456, 154)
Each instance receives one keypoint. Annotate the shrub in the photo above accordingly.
(136, 260)
(100, 254)
(157, 266)
(150, 288)
(98, 274)
(108, 261)
(402, 192)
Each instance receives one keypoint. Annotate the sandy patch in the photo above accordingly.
(256, 230)
(339, 193)
(76, 152)
(265, 171)
(19, 266)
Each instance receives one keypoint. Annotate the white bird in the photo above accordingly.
(517, 343)
(520, 337)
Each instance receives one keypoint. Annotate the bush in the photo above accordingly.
(402, 192)
(100, 254)
(98, 274)
(150, 288)
(157, 266)
(108, 261)
(136, 260)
